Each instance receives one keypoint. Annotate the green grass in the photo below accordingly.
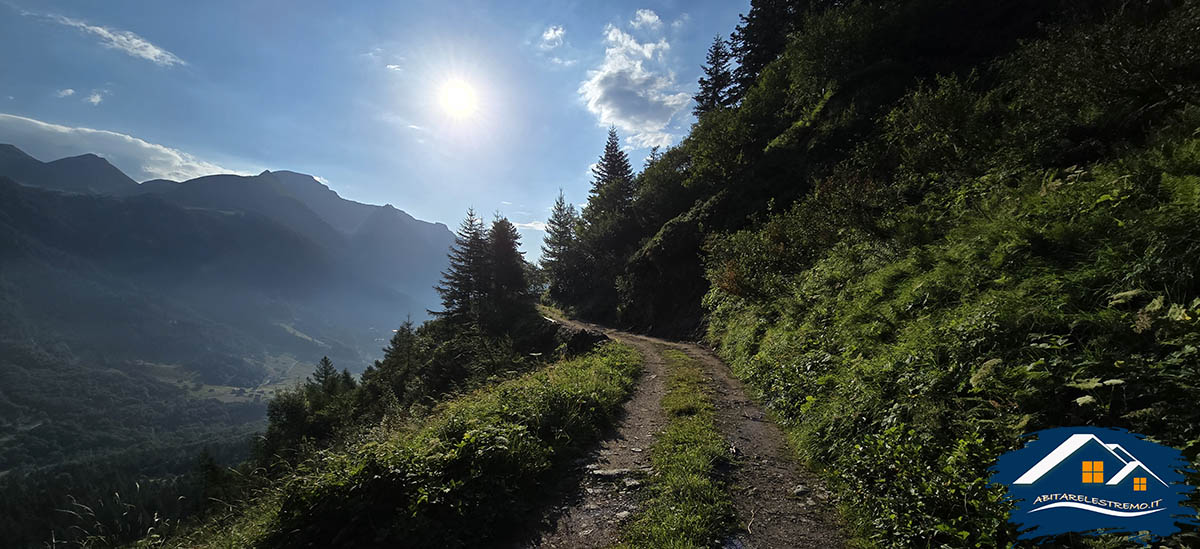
(689, 503)
(473, 473)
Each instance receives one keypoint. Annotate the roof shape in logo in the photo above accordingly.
(1073, 444)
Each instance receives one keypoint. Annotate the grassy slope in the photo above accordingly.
(689, 504)
(905, 369)
(470, 473)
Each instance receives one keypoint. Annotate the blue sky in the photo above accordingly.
(350, 92)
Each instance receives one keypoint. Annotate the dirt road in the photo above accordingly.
(779, 505)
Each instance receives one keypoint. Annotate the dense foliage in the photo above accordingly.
(928, 227)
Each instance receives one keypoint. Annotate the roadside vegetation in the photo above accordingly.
(471, 474)
(919, 230)
(688, 503)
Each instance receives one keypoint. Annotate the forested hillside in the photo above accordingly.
(921, 229)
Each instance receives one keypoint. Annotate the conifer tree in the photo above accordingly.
(760, 37)
(507, 289)
(718, 78)
(560, 252)
(608, 230)
(463, 283)
(612, 180)
(325, 374)
(654, 156)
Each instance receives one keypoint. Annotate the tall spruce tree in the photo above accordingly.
(608, 230)
(325, 374)
(717, 80)
(760, 37)
(464, 282)
(561, 254)
(612, 189)
(507, 288)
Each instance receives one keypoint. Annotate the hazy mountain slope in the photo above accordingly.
(385, 245)
(140, 278)
(391, 247)
(86, 173)
(344, 215)
(258, 194)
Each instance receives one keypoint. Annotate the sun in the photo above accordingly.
(458, 98)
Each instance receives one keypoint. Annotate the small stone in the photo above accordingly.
(636, 450)
(631, 483)
(610, 473)
(622, 515)
(591, 507)
(799, 490)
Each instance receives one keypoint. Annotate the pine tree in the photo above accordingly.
(507, 291)
(560, 252)
(605, 218)
(608, 230)
(654, 156)
(612, 180)
(717, 80)
(760, 38)
(325, 374)
(463, 283)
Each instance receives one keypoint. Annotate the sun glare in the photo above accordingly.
(458, 99)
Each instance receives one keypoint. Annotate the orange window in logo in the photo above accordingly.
(1093, 472)
(1139, 484)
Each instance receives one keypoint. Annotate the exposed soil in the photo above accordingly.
(606, 497)
(778, 504)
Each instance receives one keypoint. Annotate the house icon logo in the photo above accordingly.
(1082, 479)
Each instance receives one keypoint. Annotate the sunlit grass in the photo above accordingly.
(689, 503)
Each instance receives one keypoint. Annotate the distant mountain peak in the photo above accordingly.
(86, 173)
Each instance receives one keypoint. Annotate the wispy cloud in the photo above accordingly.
(633, 89)
(646, 19)
(394, 67)
(532, 225)
(552, 37)
(140, 159)
(95, 97)
(66, 92)
(124, 41)
(553, 46)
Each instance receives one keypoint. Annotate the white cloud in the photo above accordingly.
(563, 62)
(120, 40)
(646, 19)
(679, 23)
(96, 97)
(395, 67)
(533, 225)
(633, 90)
(140, 159)
(552, 37)
(64, 92)
(506, 203)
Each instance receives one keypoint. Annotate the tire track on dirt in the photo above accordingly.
(778, 504)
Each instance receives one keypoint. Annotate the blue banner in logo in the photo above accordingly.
(1085, 479)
